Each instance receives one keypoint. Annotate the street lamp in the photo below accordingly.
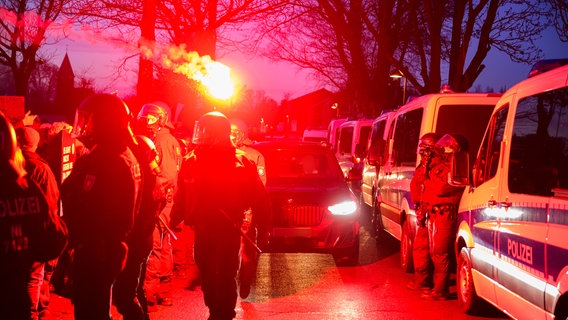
(397, 74)
(335, 107)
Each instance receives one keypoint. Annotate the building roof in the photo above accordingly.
(66, 70)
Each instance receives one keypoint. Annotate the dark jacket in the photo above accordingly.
(39, 170)
(213, 182)
(100, 195)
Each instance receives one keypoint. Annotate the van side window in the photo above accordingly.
(376, 142)
(490, 150)
(345, 140)
(539, 144)
(406, 136)
(361, 147)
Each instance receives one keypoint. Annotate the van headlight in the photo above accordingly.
(343, 208)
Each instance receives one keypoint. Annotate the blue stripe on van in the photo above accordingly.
(517, 250)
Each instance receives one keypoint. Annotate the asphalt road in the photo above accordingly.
(312, 287)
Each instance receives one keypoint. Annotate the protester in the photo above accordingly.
(215, 188)
(30, 230)
(99, 202)
(39, 171)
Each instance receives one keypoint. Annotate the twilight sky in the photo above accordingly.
(99, 60)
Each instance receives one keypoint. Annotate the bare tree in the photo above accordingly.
(165, 25)
(455, 36)
(352, 45)
(23, 30)
(560, 10)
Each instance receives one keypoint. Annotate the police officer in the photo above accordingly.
(128, 294)
(153, 118)
(442, 200)
(30, 229)
(421, 250)
(215, 188)
(99, 202)
(249, 256)
(241, 140)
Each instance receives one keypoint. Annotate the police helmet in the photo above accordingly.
(426, 144)
(239, 131)
(102, 118)
(451, 143)
(154, 116)
(10, 155)
(212, 128)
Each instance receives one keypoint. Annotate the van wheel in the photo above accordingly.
(406, 261)
(467, 297)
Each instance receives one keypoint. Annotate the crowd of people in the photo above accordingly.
(134, 209)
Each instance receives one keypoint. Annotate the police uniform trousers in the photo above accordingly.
(217, 257)
(15, 303)
(249, 258)
(95, 268)
(160, 265)
(421, 257)
(442, 229)
(126, 294)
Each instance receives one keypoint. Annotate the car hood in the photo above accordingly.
(309, 195)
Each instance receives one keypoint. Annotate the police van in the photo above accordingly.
(351, 148)
(463, 113)
(333, 133)
(512, 240)
(374, 158)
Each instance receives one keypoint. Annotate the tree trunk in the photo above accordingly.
(147, 39)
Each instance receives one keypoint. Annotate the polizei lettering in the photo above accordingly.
(520, 251)
(19, 206)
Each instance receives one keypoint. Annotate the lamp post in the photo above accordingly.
(335, 107)
(397, 74)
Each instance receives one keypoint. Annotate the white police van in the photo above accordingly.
(512, 240)
(374, 159)
(463, 113)
(351, 148)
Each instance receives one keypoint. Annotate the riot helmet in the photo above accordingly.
(212, 128)
(239, 132)
(451, 143)
(153, 117)
(426, 145)
(10, 155)
(102, 119)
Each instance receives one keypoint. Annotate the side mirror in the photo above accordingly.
(360, 150)
(459, 170)
(373, 156)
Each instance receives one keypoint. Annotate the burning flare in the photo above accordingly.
(213, 75)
